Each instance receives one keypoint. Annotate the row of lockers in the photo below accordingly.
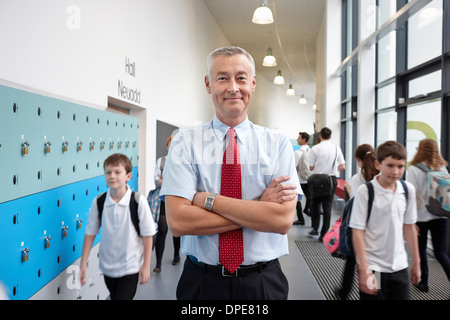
(47, 142)
(42, 234)
(67, 286)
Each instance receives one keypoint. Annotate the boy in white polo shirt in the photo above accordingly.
(379, 242)
(124, 255)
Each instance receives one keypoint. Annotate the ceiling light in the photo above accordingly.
(302, 100)
(263, 15)
(290, 91)
(279, 79)
(269, 60)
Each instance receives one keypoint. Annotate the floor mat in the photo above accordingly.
(328, 271)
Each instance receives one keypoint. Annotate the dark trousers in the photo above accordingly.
(159, 240)
(123, 288)
(307, 209)
(307, 195)
(197, 283)
(394, 286)
(347, 277)
(438, 229)
(325, 203)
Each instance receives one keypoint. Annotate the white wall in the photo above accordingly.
(270, 107)
(328, 59)
(75, 50)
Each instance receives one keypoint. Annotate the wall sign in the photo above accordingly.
(125, 92)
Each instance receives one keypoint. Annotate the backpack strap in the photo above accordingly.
(422, 167)
(371, 195)
(405, 187)
(134, 201)
(100, 204)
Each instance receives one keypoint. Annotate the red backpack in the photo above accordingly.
(331, 238)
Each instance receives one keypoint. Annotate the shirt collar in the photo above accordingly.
(379, 189)
(241, 129)
(125, 201)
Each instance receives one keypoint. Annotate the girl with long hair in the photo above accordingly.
(428, 154)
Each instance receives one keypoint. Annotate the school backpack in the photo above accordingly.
(303, 167)
(331, 238)
(438, 191)
(345, 234)
(134, 201)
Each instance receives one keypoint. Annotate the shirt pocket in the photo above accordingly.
(255, 180)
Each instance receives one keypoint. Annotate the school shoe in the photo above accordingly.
(422, 286)
(157, 270)
(314, 232)
(176, 261)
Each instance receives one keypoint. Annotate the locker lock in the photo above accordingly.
(79, 223)
(111, 145)
(47, 146)
(65, 146)
(102, 145)
(134, 144)
(64, 231)
(47, 241)
(79, 145)
(127, 144)
(25, 252)
(119, 145)
(91, 145)
(25, 146)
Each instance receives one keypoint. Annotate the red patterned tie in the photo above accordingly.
(231, 244)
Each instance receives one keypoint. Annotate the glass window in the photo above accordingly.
(386, 47)
(425, 34)
(426, 84)
(386, 50)
(424, 121)
(386, 126)
(385, 10)
(386, 96)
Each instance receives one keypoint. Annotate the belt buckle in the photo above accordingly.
(229, 275)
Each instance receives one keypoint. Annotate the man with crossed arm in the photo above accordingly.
(261, 206)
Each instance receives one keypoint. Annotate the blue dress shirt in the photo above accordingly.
(194, 164)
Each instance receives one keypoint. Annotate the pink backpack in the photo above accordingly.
(331, 238)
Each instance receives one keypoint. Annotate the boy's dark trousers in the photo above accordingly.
(123, 288)
(394, 286)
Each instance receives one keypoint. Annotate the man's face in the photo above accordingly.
(231, 85)
(300, 140)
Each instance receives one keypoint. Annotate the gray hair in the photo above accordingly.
(228, 51)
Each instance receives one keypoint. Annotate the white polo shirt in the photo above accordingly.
(323, 155)
(298, 157)
(121, 249)
(383, 236)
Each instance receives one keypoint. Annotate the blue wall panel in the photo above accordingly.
(42, 191)
(26, 222)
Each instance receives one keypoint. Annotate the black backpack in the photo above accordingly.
(345, 232)
(134, 201)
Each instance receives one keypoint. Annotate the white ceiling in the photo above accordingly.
(296, 27)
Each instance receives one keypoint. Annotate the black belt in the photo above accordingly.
(239, 272)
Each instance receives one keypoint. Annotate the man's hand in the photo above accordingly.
(279, 191)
